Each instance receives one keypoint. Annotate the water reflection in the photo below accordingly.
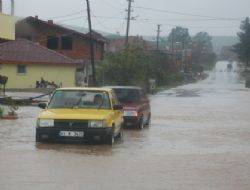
(86, 149)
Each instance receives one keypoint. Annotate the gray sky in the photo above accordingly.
(109, 14)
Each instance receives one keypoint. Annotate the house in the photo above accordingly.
(66, 41)
(25, 62)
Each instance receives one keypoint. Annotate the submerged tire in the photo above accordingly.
(120, 135)
(141, 124)
(110, 139)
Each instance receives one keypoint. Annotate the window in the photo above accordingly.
(21, 69)
(52, 42)
(127, 95)
(67, 42)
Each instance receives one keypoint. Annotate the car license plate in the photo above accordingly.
(71, 133)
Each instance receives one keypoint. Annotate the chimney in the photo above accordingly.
(12, 7)
(50, 21)
(1, 6)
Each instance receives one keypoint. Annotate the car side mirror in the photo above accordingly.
(117, 107)
(42, 105)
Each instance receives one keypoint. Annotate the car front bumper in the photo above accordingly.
(53, 134)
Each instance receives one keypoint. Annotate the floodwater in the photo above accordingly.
(199, 139)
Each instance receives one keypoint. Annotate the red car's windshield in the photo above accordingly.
(128, 95)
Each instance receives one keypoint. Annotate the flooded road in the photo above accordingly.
(199, 139)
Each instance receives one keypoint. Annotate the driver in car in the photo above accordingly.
(98, 100)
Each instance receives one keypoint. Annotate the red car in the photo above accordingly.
(136, 107)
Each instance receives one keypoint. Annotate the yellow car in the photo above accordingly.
(80, 114)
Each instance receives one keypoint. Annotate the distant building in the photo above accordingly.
(117, 44)
(65, 41)
(25, 62)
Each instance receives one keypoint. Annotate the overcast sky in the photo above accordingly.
(109, 15)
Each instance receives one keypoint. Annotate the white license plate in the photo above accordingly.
(71, 133)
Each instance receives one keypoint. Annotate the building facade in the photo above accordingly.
(65, 41)
(56, 37)
(26, 64)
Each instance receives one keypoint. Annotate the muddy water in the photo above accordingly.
(199, 139)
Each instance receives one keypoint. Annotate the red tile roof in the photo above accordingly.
(26, 51)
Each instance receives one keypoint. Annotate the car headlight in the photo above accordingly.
(130, 113)
(45, 122)
(95, 124)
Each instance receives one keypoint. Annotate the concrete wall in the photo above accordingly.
(58, 74)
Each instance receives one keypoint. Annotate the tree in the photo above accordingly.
(243, 47)
(181, 35)
(202, 51)
(135, 66)
(131, 66)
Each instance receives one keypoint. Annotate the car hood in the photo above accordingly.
(81, 114)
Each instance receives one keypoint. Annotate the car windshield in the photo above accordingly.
(128, 95)
(80, 99)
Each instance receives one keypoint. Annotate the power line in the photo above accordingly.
(146, 21)
(67, 15)
(185, 26)
(184, 14)
(99, 22)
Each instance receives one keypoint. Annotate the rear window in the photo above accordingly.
(128, 95)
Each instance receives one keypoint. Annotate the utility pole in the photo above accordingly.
(1, 6)
(12, 8)
(128, 22)
(158, 35)
(92, 53)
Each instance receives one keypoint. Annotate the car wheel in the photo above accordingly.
(141, 124)
(120, 135)
(110, 139)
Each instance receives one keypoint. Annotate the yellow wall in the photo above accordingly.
(58, 74)
(7, 27)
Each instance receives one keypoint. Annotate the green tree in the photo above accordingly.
(179, 35)
(243, 47)
(202, 51)
(128, 67)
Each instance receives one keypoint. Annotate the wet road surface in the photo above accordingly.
(199, 139)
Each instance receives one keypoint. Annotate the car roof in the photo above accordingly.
(87, 88)
(124, 87)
